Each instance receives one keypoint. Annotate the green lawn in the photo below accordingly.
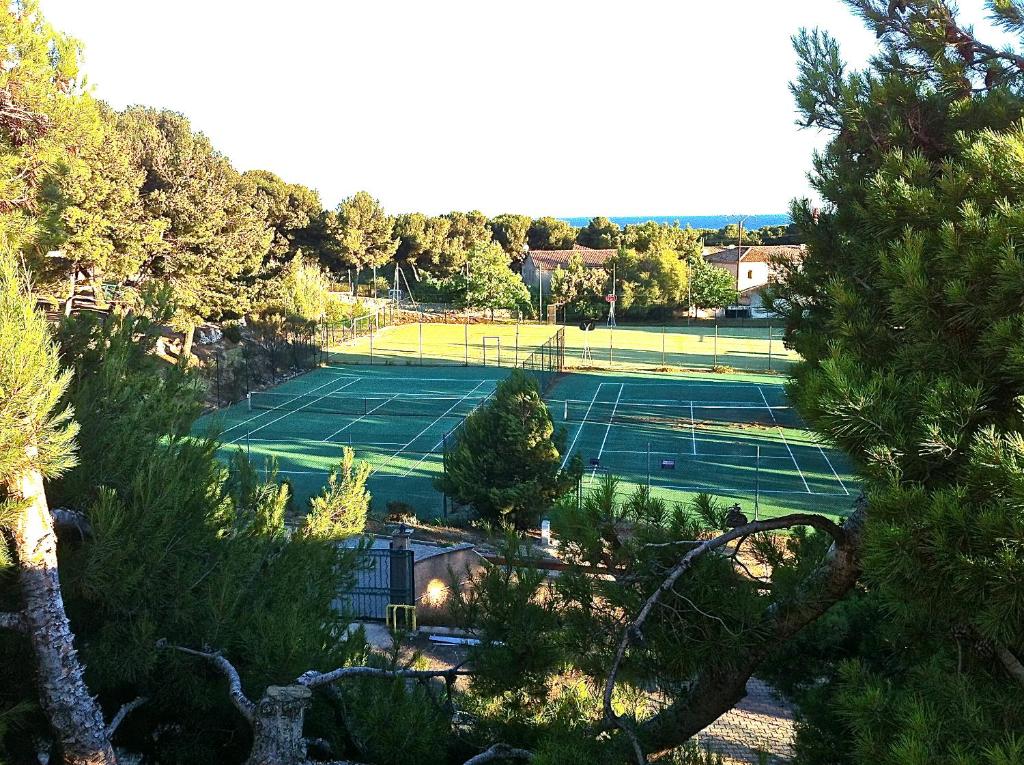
(626, 347)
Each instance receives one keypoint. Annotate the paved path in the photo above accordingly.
(758, 729)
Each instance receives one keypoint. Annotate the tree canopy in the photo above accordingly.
(549, 233)
(491, 283)
(907, 312)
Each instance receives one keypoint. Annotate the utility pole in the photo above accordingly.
(611, 304)
(540, 291)
(739, 251)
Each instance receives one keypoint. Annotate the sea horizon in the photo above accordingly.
(694, 221)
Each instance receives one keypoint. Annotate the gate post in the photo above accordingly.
(401, 567)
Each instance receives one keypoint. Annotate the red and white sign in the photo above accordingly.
(610, 298)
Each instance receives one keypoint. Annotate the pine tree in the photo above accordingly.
(177, 546)
(506, 459)
(37, 442)
(363, 234)
(215, 234)
(907, 310)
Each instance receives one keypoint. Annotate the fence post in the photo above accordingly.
(465, 327)
(216, 359)
(517, 344)
(611, 347)
(663, 331)
(371, 349)
(769, 347)
(421, 337)
(716, 343)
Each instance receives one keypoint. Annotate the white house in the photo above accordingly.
(752, 268)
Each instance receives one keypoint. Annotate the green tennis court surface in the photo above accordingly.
(734, 436)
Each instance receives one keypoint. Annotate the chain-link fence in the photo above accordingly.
(264, 355)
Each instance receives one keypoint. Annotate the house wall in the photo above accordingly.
(751, 274)
(529, 275)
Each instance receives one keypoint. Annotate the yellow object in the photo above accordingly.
(391, 617)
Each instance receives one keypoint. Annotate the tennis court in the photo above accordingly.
(734, 436)
(395, 421)
(628, 347)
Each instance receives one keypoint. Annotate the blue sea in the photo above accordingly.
(694, 221)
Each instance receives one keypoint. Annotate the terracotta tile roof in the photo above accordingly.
(551, 259)
(757, 254)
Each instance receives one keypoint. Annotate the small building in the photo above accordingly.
(752, 268)
(540, 264)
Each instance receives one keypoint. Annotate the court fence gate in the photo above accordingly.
(384, 577)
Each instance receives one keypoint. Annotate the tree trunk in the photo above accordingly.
(74, 715)
(186, 343)
(277, 726)
(720, 685)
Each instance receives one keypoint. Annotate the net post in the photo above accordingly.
(421, 336)
(371, 349)
(565, 411)
(465, 337)
(648, 466)
(769, 347)
(248, 401)
(757, 481)
(517, 344)
(663, 331)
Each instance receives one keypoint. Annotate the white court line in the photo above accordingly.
(440, 417)
(606, 432)
(684, 382)
(297, 395)
(400, 378)
(841, 484)
(583, 422)
(702, 455)
(433, 449)
(674, 404)
(299, 409)
(781, 433)
(364, 414)
(693, 430)
(765, 399)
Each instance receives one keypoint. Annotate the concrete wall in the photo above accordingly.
(433, 580)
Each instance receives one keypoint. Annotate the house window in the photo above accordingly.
(750, 274)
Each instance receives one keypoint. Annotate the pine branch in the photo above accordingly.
(123, 712)
(1009, 661)
(836, 576)
(63, 518)
(241, 701)
(500, 752)
(312, 679)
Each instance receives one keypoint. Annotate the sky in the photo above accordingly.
(542, 107)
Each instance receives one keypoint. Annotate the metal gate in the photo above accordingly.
(383, 577)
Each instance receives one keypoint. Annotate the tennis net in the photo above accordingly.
(680, 414)
(383, 405)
